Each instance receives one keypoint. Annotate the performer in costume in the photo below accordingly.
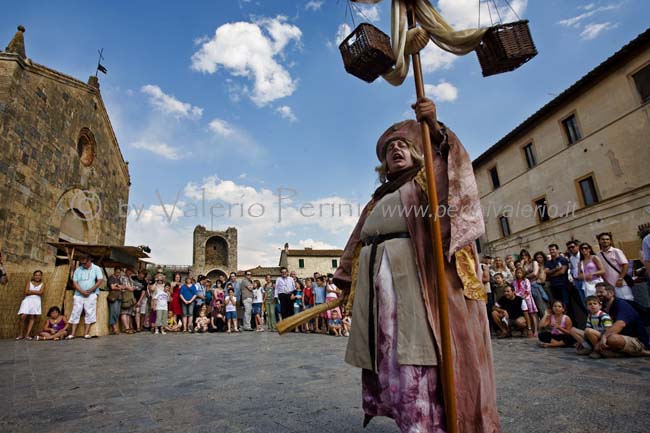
(387, 274)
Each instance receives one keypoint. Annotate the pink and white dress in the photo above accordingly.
(522, 289)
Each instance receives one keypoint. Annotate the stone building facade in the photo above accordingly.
(215, 252)
(308, 260)
(578, 166)
(62, 174)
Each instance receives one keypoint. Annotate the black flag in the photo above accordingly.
(101, 68)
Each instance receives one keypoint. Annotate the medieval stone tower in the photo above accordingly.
(215, 252)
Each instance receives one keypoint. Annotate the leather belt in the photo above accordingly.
(379, 239)
(375, 241)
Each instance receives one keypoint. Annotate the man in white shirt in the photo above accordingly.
(615, 264)
(284, 287)
(87, 280)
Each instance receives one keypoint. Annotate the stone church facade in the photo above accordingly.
(62, 174)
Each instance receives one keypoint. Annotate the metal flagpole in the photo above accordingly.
(100, 67)
(449, 391)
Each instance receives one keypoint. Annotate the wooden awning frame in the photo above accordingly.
(107, 256)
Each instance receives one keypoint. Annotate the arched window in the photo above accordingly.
(216, 251)
(74, 227)
(86, 147)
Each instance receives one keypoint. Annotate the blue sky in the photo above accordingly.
(239, 113)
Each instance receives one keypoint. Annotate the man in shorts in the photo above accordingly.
(627, 336)
(87, 280)
(509, 313)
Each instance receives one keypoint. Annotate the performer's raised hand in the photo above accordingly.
(425, 111)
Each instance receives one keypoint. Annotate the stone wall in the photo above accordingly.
(59, 152)
(14, 292)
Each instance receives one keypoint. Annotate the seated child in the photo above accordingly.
(55, 327)
(173, 324)
(597, 323)
(202, 321)
(347, 322)
(560, 324)
(335, 324)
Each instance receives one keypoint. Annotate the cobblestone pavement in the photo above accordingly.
(297, 383)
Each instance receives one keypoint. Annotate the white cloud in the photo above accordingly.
(279, 208)
(588, 7)
(463, 14)
(160, 226)
(168, 104)
(228, 139)
(342, 32)
(591, 11)
(160, 149)
(163, 212)
(201, 39)
(367, 12)
(221, 127)
(235, 90)
(442, 92)
(592, 30)
(252, 50)
(264, 219)
(317, 245)
(314, 5)
(286, 112)
(434, 59)
(214, 188)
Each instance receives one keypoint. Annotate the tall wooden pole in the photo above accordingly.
(449, 391)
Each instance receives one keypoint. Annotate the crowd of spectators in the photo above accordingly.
(577, 297)
(137, 303)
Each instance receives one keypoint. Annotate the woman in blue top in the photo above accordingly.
(188, 296)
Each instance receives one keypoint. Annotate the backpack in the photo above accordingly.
(128, 299)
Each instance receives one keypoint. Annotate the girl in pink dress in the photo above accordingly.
(521, 284)
(560, 324)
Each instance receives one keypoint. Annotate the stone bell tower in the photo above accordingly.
(215, 252)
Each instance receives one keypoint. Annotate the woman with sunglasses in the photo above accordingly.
(590, 270)
(500, 267)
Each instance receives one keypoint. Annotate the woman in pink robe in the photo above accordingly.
(388, 266)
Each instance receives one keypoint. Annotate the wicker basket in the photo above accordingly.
(505, 47)
(367, 52)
